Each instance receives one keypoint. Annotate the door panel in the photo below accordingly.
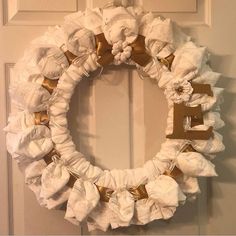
(118, 120)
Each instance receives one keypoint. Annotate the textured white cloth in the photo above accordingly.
(51, 61)
(54, 177)
(83, 199)
(29, 96)
(119, 24)
(194, 164)
(31, 143)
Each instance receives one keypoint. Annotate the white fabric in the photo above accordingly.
(83, 198)
(54, 177)
(51, 61)
(90, 19)
(194, 164)
(119, 24)
(100, 217)
(159, 33)
(164, 190)
(32, 143)
(147, 210)
(29, 96)
(121, 203)
(79, 40)
(19, 121)
(33, 173)
(189, 185)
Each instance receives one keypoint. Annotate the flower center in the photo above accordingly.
(179, 90)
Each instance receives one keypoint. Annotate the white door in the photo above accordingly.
(118, 120)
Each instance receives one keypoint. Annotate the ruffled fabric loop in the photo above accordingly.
(30, 144)
(90, 19)
(121, 204)
(29, 96)
(207, 76)
(189, 185)
(211, 146)
(164, 191)
(119, 24)
(54, 177)
(194, 164)
(83, 199)
(79, 41)
(99, 218)
(51, 61)
(160, 33)
(189, 58)
(33, 178)
(33, 172)
(19, 122)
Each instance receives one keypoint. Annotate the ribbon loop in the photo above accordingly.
(139, 53)
(103, 50)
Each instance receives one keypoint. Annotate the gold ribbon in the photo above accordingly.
(137, 192)
(167, 61)
(138, 53)
(105, 193)
(49, 84)
(70, 56)
(175, 173)
(41, 118)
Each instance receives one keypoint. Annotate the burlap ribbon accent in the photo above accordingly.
(138, 54)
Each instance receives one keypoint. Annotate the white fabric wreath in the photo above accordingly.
(28, 142)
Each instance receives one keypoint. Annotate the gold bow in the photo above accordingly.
(138, 53)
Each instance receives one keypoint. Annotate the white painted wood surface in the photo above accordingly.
(118, 120)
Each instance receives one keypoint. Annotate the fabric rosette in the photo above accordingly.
(178, 91)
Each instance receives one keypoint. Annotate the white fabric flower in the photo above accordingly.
(121, 51)
(178, 91)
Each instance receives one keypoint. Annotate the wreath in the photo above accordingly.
(41, 89)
